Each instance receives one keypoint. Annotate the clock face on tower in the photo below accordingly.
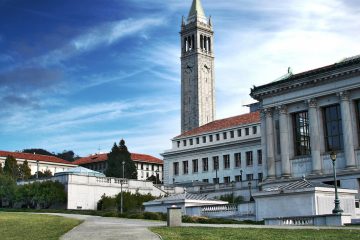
(189, 67)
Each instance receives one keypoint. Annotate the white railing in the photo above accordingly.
(298, 221)
(220, 208)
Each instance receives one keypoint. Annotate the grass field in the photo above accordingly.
(21, 226)
(203, 233)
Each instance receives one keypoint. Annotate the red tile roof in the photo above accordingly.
(103, 157)
(248, 118)
(35, 157)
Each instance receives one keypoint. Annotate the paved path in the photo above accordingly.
(107, 228)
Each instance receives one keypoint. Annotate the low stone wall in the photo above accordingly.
(317, 220)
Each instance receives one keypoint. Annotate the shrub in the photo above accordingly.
(152, 215)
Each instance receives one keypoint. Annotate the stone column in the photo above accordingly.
(270, 159)
(263, 142)
(314, 136)
(347, 130)
(284, 141)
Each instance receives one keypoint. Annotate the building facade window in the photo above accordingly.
(333, 128)
(225, 135)
(185, 167)
(249, 177)
(204, 139)
(238, 178)
(176, 168)
(184, 143)
(260, 177)
(216, 163)
(197, 140)
(259, 155)
(239, 132)
(226, 159)
(195, 165)
(205, 164)
(301, 133)
(254, 128)
(249, 158)
(237, 157)
(277, 136)
(247, 132)
(210, 138)
(216, 180)
(232, 135)
(191, 141)
(226, 179)
(178, 144)
(205, 180)
(142, 166)
(358, 118)
(217, 137)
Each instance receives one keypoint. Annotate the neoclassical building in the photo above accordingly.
(305, 116)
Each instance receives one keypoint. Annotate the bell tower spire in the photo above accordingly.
(197, 69)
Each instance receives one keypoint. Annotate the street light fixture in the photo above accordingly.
(251, 197)
(337, 209)
(121, 190)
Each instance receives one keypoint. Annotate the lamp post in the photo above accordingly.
(337, 209)
(241, 172)
(121, 190)
(251, 197)
(216, 171)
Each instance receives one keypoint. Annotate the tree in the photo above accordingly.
(38, 151)
(7, 189)
(46, 174)
(1, 169)
(116, 157)
(24, 171)
(11, 167)
(67, 155)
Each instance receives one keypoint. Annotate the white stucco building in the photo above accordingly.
(146, 165)
(38, 162)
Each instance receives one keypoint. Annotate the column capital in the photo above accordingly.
(268, 112)
(312, 103)
(344, 95)
(282, 109)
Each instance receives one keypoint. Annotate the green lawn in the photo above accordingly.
(21, 226)
(203, 233)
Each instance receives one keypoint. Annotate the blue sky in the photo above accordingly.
(80, 75)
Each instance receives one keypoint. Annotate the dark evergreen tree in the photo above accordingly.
(24, 171)
(11, 167)
(116, 157)
(38, 151)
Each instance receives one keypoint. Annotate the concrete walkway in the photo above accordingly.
(107, 228)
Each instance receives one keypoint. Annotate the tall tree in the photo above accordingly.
(24, 170)
(7, 189)
(116, 157)
(11, 167)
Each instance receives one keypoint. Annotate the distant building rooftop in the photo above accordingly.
(136, 157)
(81, 171)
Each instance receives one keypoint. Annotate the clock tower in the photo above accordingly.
(197, 69)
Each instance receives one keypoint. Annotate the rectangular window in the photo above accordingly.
(152, 168)
(249, 158)
(301, 133)
(254, 129)
(176, 168)
(225, 135)
(197, 140)
(204, 139)
(239, 132)
(238, 178)
(259, 155)
(249, 177)
(226, 159)
(211, 138)
(185, 167)
(232, 135)
(216, 180)
(277, 135)
(205, 180)
(195, 166)
(247, 132)
(226, 179)
(205, 163)
(260, 177)
(184, 143)
(142, 166)
(358, 118)
(217, 137)
(237, 157)
(216, 163)
(178, 143)
(333, 128)
(191, 141)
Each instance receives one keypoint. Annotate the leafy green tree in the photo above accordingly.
(7, 189)
(116, 157)
(67, 155)
(38, 151)
(1, 169)
(46, 174)
(11, 167)
(24, 171)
